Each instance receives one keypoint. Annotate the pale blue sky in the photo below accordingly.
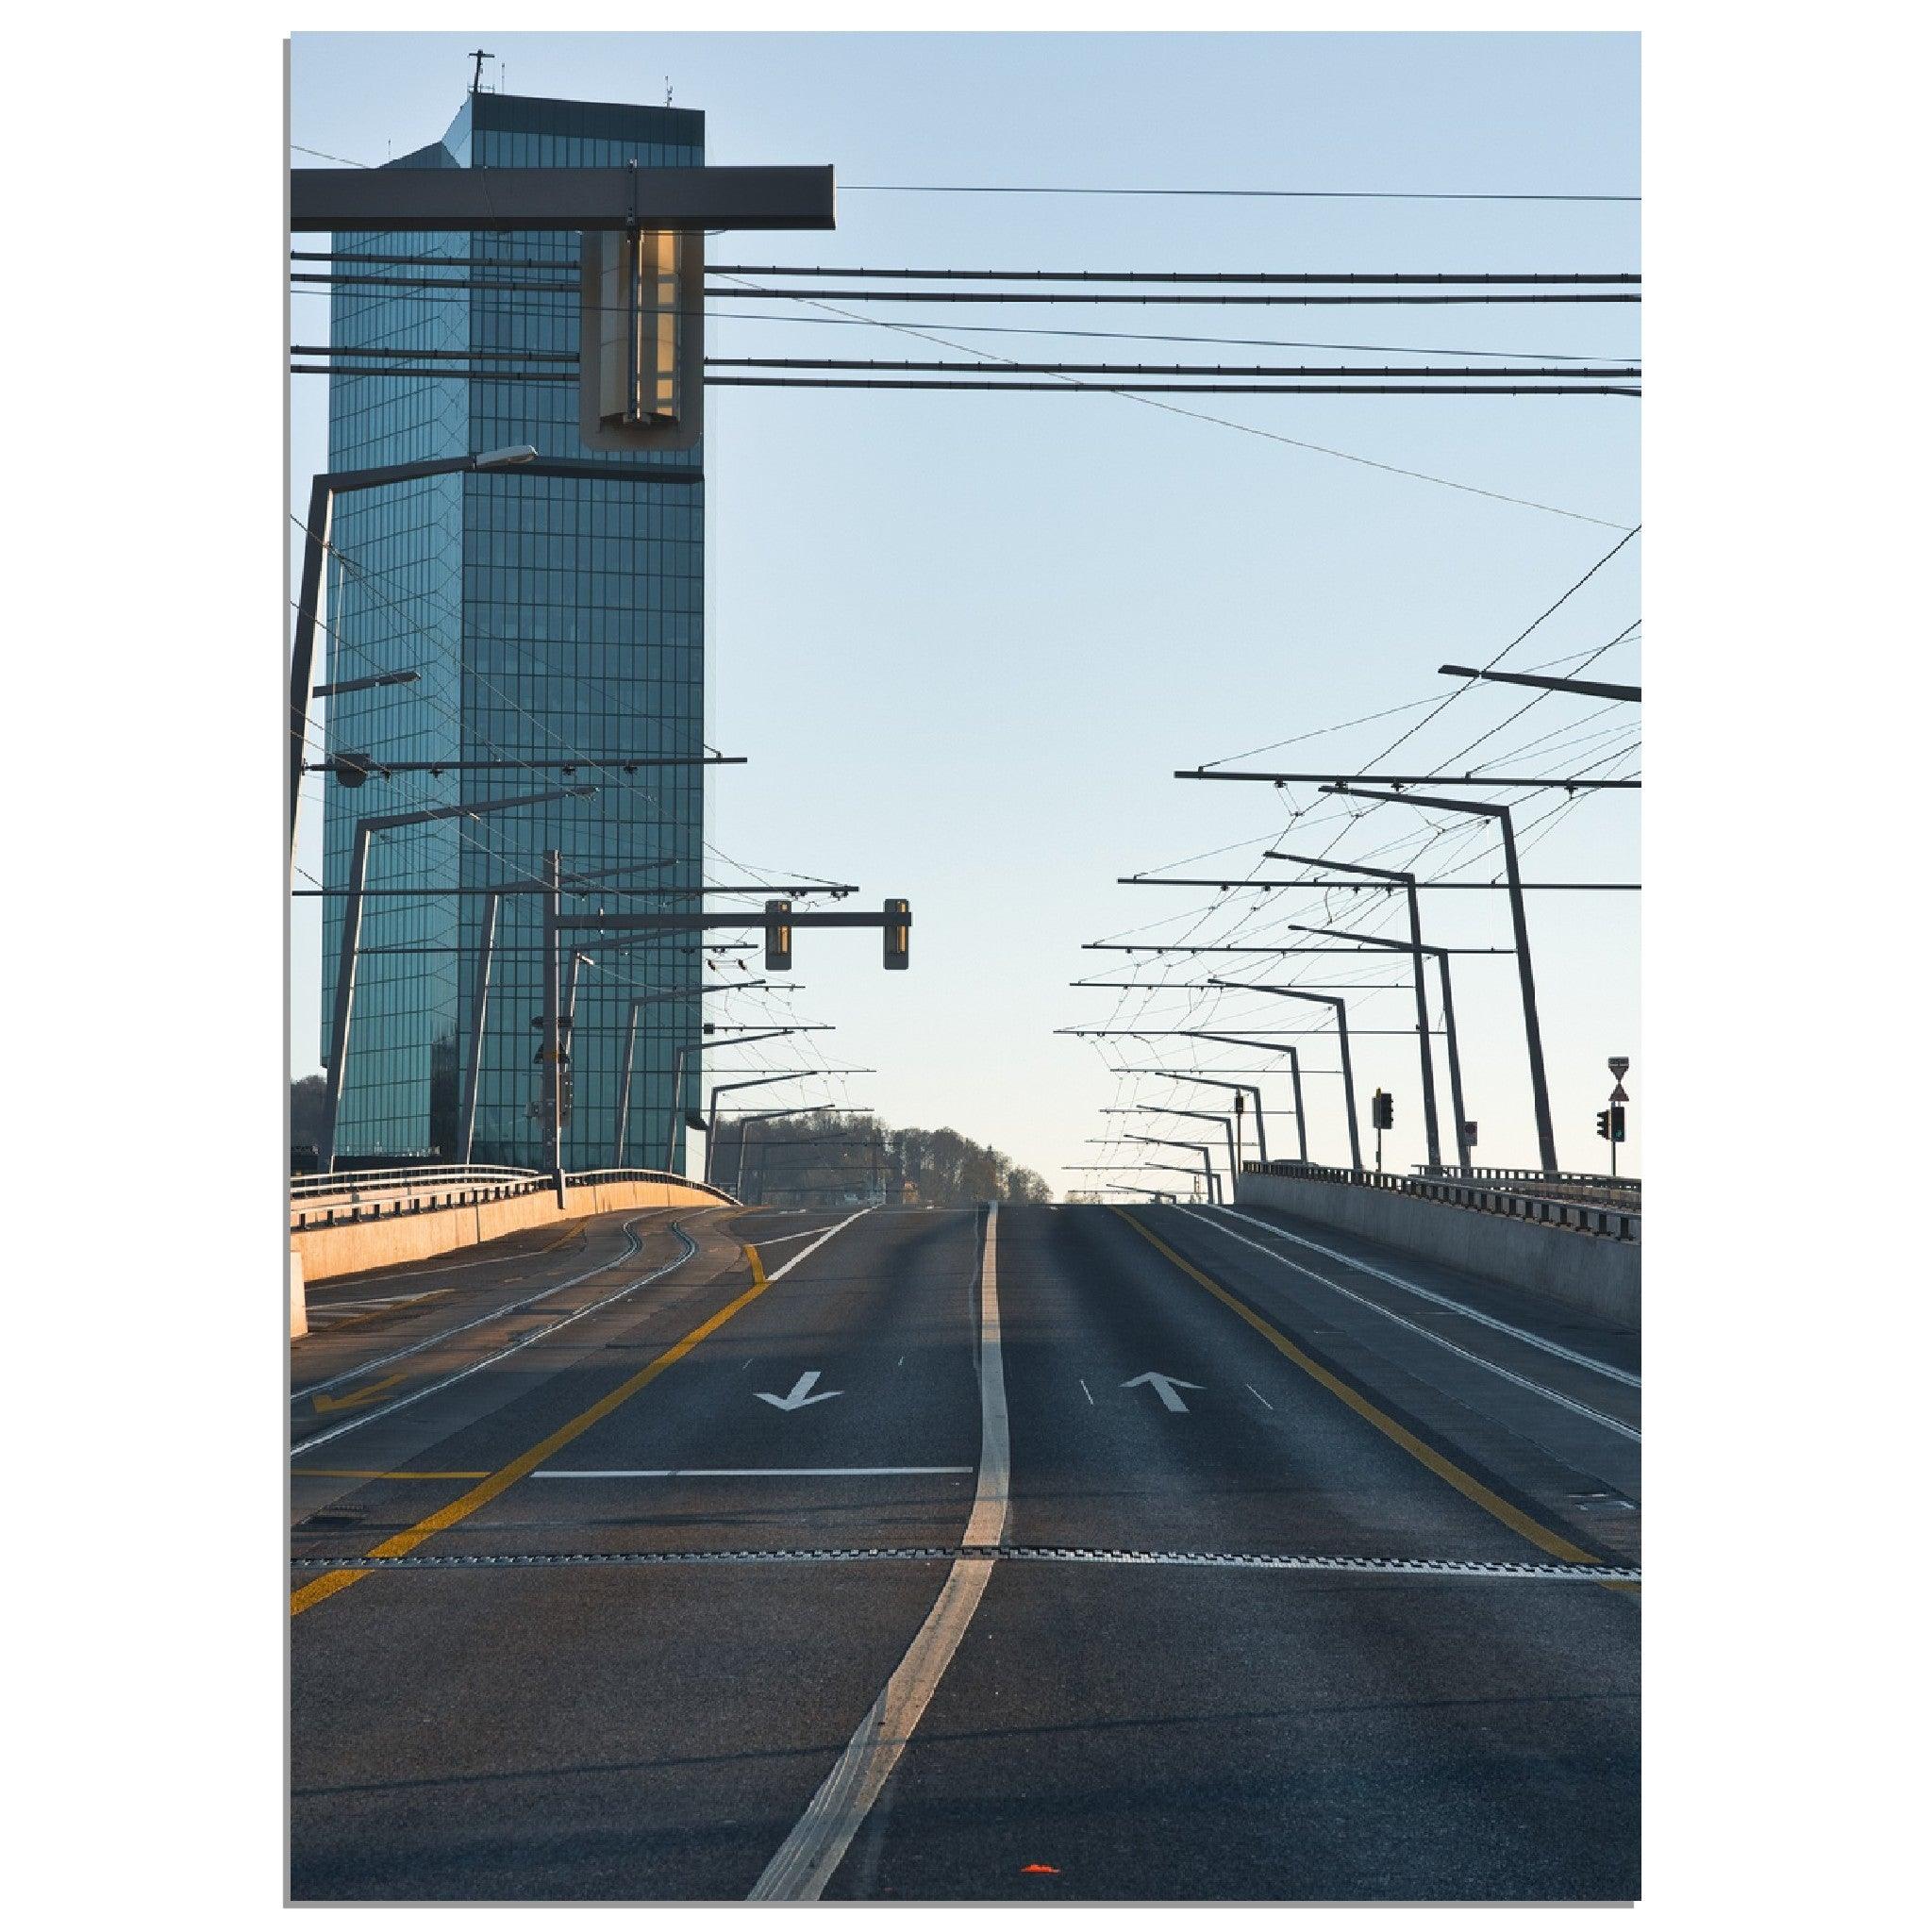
(964, 639)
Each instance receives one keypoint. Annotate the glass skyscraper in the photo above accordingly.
(546, 617)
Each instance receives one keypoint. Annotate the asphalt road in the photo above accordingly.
(1056, 1553)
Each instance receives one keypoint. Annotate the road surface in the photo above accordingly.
(1043, 1552)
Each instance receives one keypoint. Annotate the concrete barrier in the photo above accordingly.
(1592, 1272)
(352, 1246)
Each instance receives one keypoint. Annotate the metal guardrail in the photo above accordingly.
(1614, 1224)
(373, 1180)
(333, 1200)
(1523, 1178)
(600, 1177)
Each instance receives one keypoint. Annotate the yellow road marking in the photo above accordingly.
(401, 1476)
(575, 1228)
(326, 1404)
(1459, 1479)
(492, 1487)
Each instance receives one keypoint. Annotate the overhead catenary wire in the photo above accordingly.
(1133, 386)
(652, 799)
(1242, 428)
(1232, 193)
(1126, 386)
(1301, 278)
(1284, 299)
(1244, 193)
(1213, 369)
(1272, 436)
(1109, 335)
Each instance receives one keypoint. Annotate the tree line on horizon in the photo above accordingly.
(816, 1159)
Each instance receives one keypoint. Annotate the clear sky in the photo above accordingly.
(964, 639)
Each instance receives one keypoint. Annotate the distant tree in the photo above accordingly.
(822, 1160)
(308, 1111)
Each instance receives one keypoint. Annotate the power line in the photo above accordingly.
(651, 798)
(1107, 335)
(1127, 385)
(1295, 279)
(321, 155)
(1213, 368)
(1234, 194)
(1131, 386)
(1083, 297)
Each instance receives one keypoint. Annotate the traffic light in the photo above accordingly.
(1616, 1132)
(1603, 1127)
(777, 935)
(1385, 1108)
(898, 935)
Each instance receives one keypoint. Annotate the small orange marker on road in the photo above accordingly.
(1053, 1870)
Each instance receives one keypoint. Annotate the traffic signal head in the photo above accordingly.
(898, 935)
(777, 935)
(1616, 1132)
(1385, 1108)
(1603, 1124)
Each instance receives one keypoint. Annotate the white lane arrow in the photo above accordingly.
(1164, 1386)
(801, 1396)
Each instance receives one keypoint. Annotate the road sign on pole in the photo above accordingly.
(1620, 1065)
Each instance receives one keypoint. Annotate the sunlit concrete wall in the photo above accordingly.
(350, 1247)
(1588, 1272)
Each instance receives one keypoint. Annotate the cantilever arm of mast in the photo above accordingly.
(1344, 781)
(1582, 686)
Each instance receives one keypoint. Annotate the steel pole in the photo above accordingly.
(1301, 1117)
(479, 1005)
(553, 1010)
(1532, 1026)
(345, 990)
(1355, 1134)
(1430, 1125)
(677, 1059)
(301, 657)
(630, 1047)
(1455, 1063)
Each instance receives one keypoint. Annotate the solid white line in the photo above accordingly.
(1442, 1301)
(355, 1375)
(806, 1253)
(1257, 1395)
(387, 1408)
(621, 1475)
(1086, 1391)
(804, 1864)
(691, 1248)
(778, 1241)
(1562, 1401)
(381, 1301)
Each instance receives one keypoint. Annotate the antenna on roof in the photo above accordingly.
(667, 90)
(478, 54)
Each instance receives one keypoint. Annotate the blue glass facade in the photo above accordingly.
(547, 617)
